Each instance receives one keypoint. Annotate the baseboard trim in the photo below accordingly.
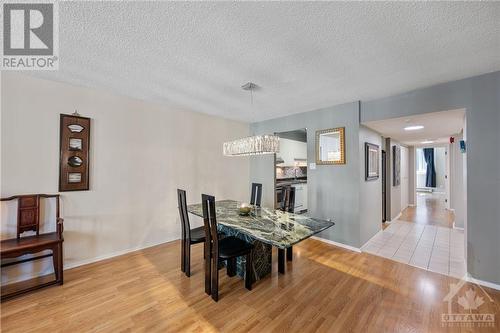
(458, 228)
(115, 254)
(394, 219)
(483, 283)
(96, 259)
(368, 241)
(344, 246)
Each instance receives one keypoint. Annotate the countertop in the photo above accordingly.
(290, 181)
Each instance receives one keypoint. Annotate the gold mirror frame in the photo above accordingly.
(341, 131)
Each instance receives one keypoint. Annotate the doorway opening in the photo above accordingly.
(432, 187)
(290, 177)
(423, 191)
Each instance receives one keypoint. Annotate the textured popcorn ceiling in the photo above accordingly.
(195, 56)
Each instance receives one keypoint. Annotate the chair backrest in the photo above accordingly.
(28, 211)
(183, 213)
(256, 196)
(210, 222)
(288, 202)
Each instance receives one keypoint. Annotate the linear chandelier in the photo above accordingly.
(252, 145)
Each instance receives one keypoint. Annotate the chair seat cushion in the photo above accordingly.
(198, 235)
(231, 246)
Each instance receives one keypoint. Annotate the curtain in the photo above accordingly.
(430, 173)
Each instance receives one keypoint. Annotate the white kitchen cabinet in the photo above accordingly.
(291, 150)
(300, 197)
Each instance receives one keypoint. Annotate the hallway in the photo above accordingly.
(430, 210)
(423, 236)
(433, 248)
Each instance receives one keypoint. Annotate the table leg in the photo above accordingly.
(289, 253)
(281, 261)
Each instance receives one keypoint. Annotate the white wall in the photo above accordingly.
(141, 153)
(412, 196)
(440, 165)
(404, 178)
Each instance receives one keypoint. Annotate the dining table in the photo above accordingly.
(265, 228)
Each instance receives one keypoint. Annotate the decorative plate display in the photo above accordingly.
(74, 148)
(75, 144)
(75, 128)
(75, 161)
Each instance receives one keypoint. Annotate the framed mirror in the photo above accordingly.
(371, 161)
(330, 146)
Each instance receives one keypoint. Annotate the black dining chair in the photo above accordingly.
(189, 236)
(287, 205)
(256, 196)
(288, 202)
(227, 248)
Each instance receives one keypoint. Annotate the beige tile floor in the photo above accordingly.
(430, 247)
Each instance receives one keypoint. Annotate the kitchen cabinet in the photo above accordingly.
(300, 197)
(291, 150)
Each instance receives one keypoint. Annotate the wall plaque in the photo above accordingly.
(74, 153)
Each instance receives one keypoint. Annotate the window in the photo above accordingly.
(421, 165)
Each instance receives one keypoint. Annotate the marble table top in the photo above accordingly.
(269, 226)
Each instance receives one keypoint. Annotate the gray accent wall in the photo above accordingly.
(333, 190)
(457, 179)
(480, 96)
(395, 197)
(370, 195)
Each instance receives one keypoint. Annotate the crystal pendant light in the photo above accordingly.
(252, 145)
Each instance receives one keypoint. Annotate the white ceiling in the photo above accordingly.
(438, 127)
(303, 55)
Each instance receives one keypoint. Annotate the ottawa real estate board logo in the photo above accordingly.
(30, 36)
(466, 305)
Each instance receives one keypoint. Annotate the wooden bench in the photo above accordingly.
(28, 219)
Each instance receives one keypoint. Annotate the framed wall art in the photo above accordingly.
(74, 153)
(371, 161)
(396, 165)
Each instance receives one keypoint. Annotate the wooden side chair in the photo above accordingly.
(227, 248)
(28, 219)
(256, 196)
(189, 236)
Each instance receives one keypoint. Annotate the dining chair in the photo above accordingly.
(287, 205)
(288, 202)
(227, 248)
(256, 197)
(189, 236)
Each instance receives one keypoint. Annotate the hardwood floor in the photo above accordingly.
(430, 209)
(325, 289)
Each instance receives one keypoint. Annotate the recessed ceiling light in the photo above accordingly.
(413, 127)
(426, 142)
